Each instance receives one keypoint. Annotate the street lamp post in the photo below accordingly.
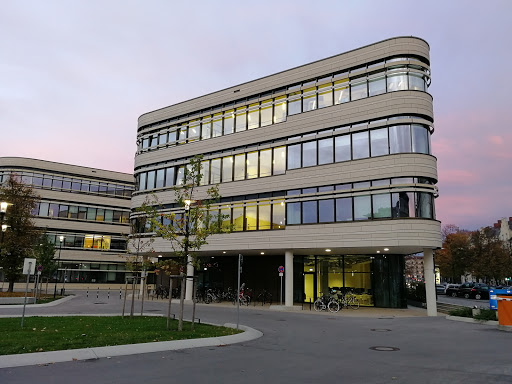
(61, 239)
(3, 210)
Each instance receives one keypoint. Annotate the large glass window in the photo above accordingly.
(360, 147)
(326, 211)
(183, 133)
(180, 176)
(279, 161)
(377, 85)
(253, 117)
(325, 151)
(309, 212)
(252, 165)
(266, 112)
(280, 109)
(215, 171)
(344, 209)
(227, 169)
(362, 208)
(417, 82)
(419, 139)
(265, 162)
(379, 142)
(160, 175)
(325, 95)
(206, 128)
(251, 218)
(264, 216)
(293, 213)
(193, 130)
(381, 206)
(229, 122)
(172, 137)
(278, 215)
(238, 218)
(151, 180)
(225, 217)
(169, 177)
(294, 103)
(424, 205)
(294, 156)
(400, 139)
(162, 138)
(402, 204)
(309, 100)
(309, 154)
(342, 148)
(91, 213)
(217, 125)
(358, 89)
(43, 209)
(142, 181)
(341, 91)
(397, 82)
(241, 119)
(240, 167)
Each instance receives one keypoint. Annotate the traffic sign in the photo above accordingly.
(39, 268)
(280, 269)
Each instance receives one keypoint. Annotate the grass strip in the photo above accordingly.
(62, 333)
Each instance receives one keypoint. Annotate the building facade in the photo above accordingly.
(325, 169)
(87, 208)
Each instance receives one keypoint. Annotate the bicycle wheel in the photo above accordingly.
(333, 306)
(318, 305)
(354, 304)
(207, 299)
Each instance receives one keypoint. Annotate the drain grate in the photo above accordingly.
(384, 349)
(380, 330)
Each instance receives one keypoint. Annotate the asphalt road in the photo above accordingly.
(297, 347)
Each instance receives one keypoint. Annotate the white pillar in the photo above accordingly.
(430, 281)
(288, 279)
(190, 281)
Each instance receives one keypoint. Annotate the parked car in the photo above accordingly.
(451, 290)
(465, 290)
(480, 291)
(440, 289)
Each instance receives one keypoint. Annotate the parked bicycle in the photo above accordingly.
(243, 297)
(265, 297)
(211, 296)
(326, 302)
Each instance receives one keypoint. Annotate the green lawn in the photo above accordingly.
(59, 333)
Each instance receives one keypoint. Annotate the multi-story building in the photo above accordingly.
(87, 208)
(325, 169)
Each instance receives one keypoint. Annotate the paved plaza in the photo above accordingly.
(369, 345)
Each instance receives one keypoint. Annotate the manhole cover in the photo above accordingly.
(386, 318)
(385, 349)
(100, 303)
(380, 330)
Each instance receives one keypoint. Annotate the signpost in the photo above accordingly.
(28, 269)
(281, 272)
(240, 262)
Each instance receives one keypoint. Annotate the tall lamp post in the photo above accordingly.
(61, 239)
(3, 210)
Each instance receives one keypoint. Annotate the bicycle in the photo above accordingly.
(211, 296)
(243, 298)
(348, 300)
(265, 297)
(326, 302)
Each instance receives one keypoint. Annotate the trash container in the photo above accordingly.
(505, 310)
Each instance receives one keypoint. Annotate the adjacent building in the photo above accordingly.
(326, 169)
(88, 209)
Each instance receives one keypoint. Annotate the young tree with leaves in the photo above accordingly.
(454, 259)
(44, 252)
(18, 240)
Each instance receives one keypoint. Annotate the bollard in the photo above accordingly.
(98, 292)
(87, 291)
(108, 294)
(310, 303)
(120, 294)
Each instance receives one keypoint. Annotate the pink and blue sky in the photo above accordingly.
(75, 75)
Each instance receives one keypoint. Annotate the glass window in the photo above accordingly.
(142, 181)
(217, 125)
(362, 208)
(91, 213)
(252, 165)
(308, 190)
(53, 211)
(43, 209)
(362, 184)
(343, 187)
(253, 117)
(264, 216)
(397, 82)
(325, 95)
(251, 218)
(100, 214)
(325, 151)
(280, 109)
(419, 139)
(293, 213)
(417, 82)
(85, 186)
(344, 209)
(402, 204)
(342, 149)
(424, 205)
(160, 175)
(229, 122)
(309, 154)
(326, 211)
(241, 119)
(215, 171)
(180, 176)
(57, 184)
(381, 206)
(278, 215)
(183, 132)
(341, 91)
(151, 180)
(162, 138)
(294, 103)
(145, 143)
(172, 136)
(73, 212)
(309, 212)
(169, 177)
(309, 99)
(360, 147)
(225, 218)
(294, 156)
(66, 183)
(193, 130)
(227, 169)
(265, 162)
(47, 181)
(400, 139)
(154, 141)
(240, 167)
(377, 86)
(117, 217)
(358, 90)
(379, 142)
(238, 218)
(205, 172)
(266, 112)
(109, 215)
(279, 161)
(326, 188)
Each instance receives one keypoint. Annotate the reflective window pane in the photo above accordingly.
(424, 205)
(264, 216)
(278, 215)
(193, 130)
(241, 119)
(253, 117)
(151, 180)
(229, 122)
(377, 86)
(309, 99)
(342, 149)
(240, 167)
(400, 139)
(238, 218)
(344, 209)
(309, 212)
(397, 82)
(325, 151)
(180, 176)
(265, 162)
(266, 112)
(160, 174)
(341, 91)
(325, 98)
(294, 156)
(362, 208)
(381, 206)
(252, 165)
(162, 138)
(417, 82)
(419, 139)
(294, 103)
(280, 109)
(402, 204)
(142, 181)
(293, 213)
(326, 211)
(206, 129)
(360, 147)
(215, 171)
(251, 218)
(169, 177)
(379, 142)
(227, 169)
(205, 172)
(309, 154)
(279, 161)
(358, 90)
(217, 125)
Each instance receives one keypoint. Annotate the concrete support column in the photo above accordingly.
(190, 281)
(288, 279)
(430, 281)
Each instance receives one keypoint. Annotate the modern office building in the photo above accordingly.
(87, 208)
(325, 169)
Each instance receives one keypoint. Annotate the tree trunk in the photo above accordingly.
(11, 286)
(182, 303)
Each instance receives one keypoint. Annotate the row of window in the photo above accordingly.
(276, 214)
(275, 110)
(408, 138)
(70, 184)
(66, 211)
(88, 241)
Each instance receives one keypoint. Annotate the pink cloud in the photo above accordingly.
(498, 140)
(457, 176)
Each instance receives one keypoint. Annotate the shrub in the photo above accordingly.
(417, 292)
(486, 314)
(462, 312)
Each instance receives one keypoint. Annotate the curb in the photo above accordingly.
(52, 304)
(471, 320)
(45, 358)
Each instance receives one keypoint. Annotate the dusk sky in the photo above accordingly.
(76, 75)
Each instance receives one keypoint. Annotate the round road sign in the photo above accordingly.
(280, 269)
